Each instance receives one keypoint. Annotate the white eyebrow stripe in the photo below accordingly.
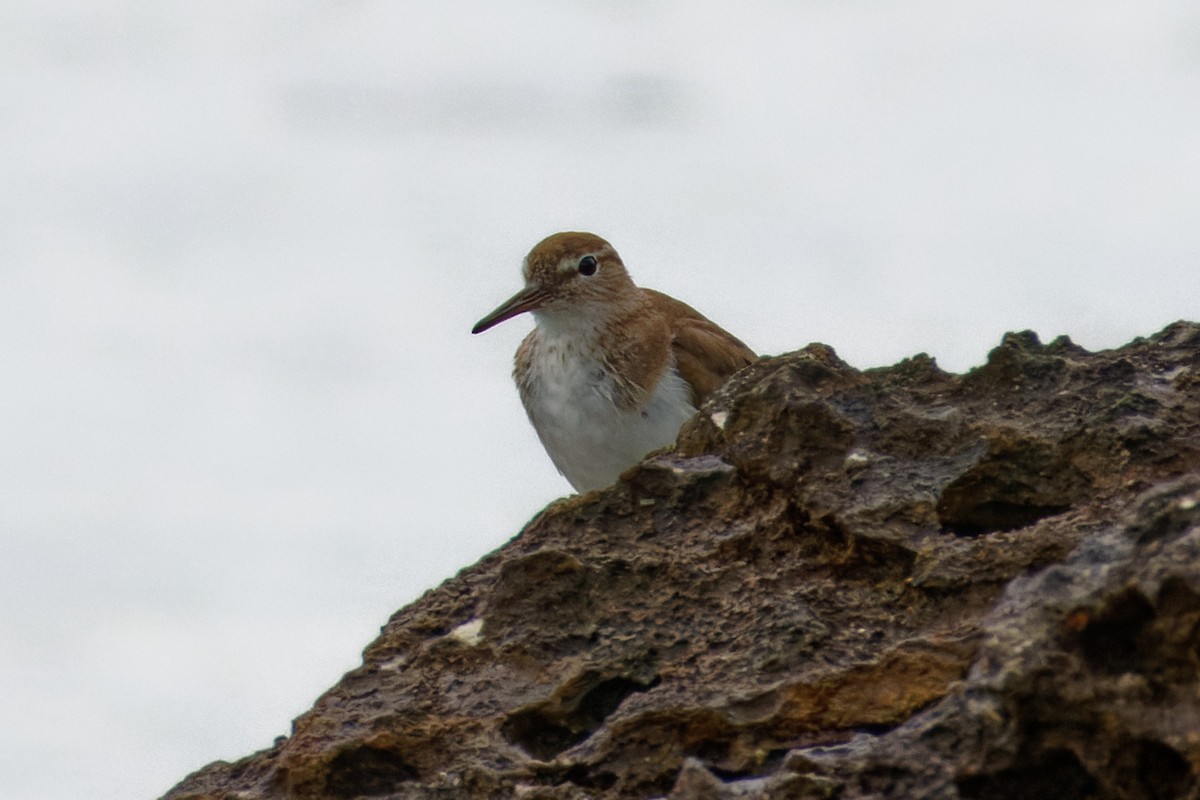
(572, 263)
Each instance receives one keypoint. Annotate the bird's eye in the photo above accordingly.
(587, 265)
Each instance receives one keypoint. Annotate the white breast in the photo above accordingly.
(590, 438)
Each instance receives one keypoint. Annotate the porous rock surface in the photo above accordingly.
(897, 583)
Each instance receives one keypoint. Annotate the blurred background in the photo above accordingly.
(242, 244)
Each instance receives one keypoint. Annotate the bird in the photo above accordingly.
(610, 371)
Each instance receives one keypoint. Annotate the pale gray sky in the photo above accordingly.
(242, 245)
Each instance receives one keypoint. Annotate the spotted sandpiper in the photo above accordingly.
(610, 371)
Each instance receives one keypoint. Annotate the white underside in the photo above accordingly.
(588, 436)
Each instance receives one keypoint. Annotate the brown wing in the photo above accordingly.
(705, 354)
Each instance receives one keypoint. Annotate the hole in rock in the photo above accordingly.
(548, 729)
(769, 764)
(1110, 642)
(539, 735)
(581, 775)
(1161, 771)
(1018, 482)
(712, 750)
(1058, 774)
(993, 516)
(1179, 622)
(367, 771)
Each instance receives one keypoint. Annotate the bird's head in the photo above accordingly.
(568, 276)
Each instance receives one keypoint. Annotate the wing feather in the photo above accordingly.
(705, 353)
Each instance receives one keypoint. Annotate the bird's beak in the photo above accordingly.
(527, 299)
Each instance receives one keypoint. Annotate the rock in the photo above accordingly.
(896, 583)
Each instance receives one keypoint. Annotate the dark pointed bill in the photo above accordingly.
(527, 299)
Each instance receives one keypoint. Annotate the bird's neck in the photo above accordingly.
(591, 323)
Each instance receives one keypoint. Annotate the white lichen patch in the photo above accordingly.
(394, 664)
(718, 418)
(469, 633)
(856, 461)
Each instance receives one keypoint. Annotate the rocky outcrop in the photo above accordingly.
(896, 583)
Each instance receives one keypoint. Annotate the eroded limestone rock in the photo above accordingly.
(897, 583)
